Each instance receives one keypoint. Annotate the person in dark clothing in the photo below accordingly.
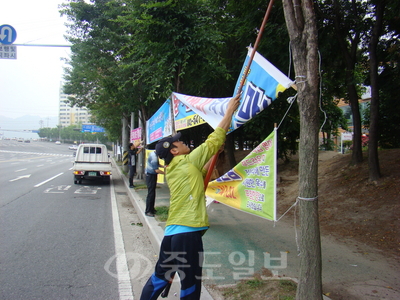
(132, 155)
(152, 169)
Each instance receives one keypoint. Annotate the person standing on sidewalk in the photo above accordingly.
(182, 246)
(152, 170)
(132, 155)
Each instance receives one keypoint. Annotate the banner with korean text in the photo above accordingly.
(210, 110)
(184, 117)
(160, 124)
(251, 185)
(136, 135)
(262, 86)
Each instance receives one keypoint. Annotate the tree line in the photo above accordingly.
(128, 56)
(71, 134)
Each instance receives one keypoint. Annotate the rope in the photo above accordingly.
(291, 101)
(307, 199)
(295, 219)
(320, 91)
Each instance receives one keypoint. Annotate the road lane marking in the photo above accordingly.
(43, 182)
(57, 189)
(87, 190)
(124, 279)
(21, 170)
(20, 177)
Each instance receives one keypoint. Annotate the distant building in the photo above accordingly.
(363, 105)
(68, 115)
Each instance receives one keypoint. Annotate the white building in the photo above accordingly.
(68, 115)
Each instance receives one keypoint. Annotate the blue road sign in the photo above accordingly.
(92, 128)
(8, 34)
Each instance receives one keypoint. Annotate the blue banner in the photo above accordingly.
(160, 124)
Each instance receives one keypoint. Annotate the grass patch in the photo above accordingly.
(140, 187)
(258, 288)
(162, 213)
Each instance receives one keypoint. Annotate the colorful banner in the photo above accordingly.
(263, 85)
(136, 135)
(251, 185)
(160, 124)
(209, 109)
(184, 117)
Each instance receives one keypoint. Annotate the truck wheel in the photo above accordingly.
(76, 181)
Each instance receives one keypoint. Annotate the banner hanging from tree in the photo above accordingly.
(262, 86)
(251, 185)
(184, 117)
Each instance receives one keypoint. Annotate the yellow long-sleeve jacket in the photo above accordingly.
(185, 175)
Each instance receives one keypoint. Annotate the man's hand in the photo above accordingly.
(232, 107)
(233, 104)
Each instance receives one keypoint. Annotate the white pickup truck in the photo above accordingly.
(91, 162)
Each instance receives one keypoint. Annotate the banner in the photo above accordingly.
(210, 110)
(160, 124)
(251, 185)
(263, 85)
(184, 117)
(136, 135)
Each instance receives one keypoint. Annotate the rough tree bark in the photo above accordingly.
(301, 24)
(373, 159)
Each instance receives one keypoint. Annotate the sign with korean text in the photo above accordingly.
(184, 117)
(160, 124)
(92, 128)
(136, 134)
(251, 185)
(8, 52)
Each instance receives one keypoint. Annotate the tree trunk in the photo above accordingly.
(373, 159)
(125, 142)
(357, 156)
(230, 150)
(301, 24)
(349, 52)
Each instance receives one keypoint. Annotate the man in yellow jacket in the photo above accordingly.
(182, 246)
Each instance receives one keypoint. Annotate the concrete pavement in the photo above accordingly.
(238, 245)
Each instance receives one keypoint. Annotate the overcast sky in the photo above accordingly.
(29, 85)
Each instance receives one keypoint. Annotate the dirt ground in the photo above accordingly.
(351, 209)
(350, 206)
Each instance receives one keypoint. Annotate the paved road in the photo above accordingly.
(55, 236)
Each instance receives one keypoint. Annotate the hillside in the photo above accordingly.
(351, 208)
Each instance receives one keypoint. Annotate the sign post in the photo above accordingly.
(345, 136)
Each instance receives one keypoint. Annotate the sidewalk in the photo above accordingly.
(348, 272)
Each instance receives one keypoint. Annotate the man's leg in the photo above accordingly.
(132, 172)
(189, 263)
(151, 181)
(162, 274)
